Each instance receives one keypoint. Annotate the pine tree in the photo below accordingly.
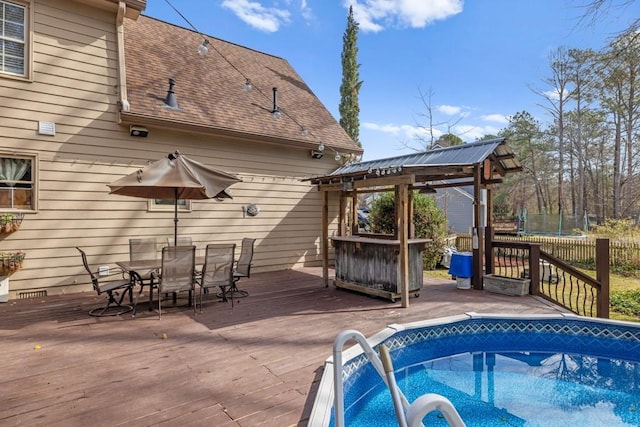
(350, 86)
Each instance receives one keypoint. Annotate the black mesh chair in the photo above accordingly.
(116, 290)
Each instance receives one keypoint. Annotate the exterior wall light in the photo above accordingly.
(138, 131)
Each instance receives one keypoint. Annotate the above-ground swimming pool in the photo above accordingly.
(547, 370)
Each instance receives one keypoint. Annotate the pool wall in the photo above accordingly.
(397, 336)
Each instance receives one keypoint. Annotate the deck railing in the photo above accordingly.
(553, 278)
(624, 254)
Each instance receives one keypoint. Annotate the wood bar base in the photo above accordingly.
(370, 266)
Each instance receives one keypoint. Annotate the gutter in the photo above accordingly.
(122, 74)
(145, 120)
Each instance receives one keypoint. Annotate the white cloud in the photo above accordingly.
(497, 118)
(305, 10)
(401, 131)
(386, 128)
(374, 15)
(268, 19)
(449, 110)
(551, 94)
(470, 133)
(407, 133)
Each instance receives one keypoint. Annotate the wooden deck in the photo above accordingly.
(256, 364)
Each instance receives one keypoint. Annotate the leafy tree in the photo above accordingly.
(487, 137)
(501, 208)
(587, 134)
(595, 9)
(428, 220)
(449, 140)
(527, 140)
(582, 79)
(351, 84)
(590, 151)
(619, 95)
(627, 67)
(557, 98)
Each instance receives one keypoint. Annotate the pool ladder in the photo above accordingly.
(408, 415)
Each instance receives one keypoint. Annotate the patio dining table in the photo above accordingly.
(152, 264)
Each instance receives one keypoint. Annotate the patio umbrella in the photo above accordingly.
(175, 177)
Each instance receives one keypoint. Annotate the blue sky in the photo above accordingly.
(479, 59)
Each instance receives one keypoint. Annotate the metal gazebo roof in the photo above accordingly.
(433, 165)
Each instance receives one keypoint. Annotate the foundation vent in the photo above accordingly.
(32, 294)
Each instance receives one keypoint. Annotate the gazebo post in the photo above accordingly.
(342, 219)
(325, 238)
(411, 225)
(477, 238)
(402, 230)
(354, 212)
(488, 234)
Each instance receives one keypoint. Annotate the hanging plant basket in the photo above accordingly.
(10, 222)
(10, 262)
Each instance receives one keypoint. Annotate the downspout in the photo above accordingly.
(122, 75)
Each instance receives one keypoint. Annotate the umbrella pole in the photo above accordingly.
(175, 218)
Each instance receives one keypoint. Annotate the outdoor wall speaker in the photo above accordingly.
(315, 154)
(139, 131)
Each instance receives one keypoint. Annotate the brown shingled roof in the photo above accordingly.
(209, 89)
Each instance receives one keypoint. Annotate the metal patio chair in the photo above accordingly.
(116, 290)
(177, 273)
(243, 266)
(182, 241)
(218, 269)
(144, 249)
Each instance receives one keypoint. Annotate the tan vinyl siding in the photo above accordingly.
(83, 214)
(75, 86)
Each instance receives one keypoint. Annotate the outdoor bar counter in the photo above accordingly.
(370, 265)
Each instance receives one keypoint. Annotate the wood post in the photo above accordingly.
(488, 250)
(325, 238)
(402, 230)
(476, 234)
(354, 213)
(411, 225)
(342, 220)
(602, 276)
(489, 235)
(534, 269)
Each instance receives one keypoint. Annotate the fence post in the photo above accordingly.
(488, 250)
(534, 269)
(602, 276)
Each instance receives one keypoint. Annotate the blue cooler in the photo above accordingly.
(461, 267)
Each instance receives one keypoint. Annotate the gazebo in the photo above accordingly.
(479, 164)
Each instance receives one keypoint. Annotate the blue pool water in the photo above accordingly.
(506, 372)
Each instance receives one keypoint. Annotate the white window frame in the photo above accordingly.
(33, 181)
(26, 39)
(168, 205)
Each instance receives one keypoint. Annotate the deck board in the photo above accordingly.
(257, 363)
